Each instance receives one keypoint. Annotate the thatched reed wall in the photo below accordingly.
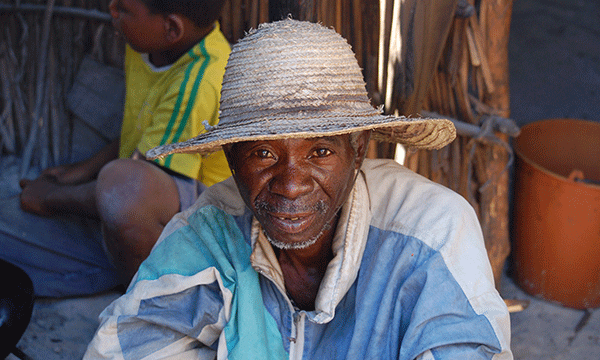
(40, 53)
(470, 83)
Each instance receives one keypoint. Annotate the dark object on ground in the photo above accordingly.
(16, 307)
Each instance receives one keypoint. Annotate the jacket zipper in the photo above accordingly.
(296, 337)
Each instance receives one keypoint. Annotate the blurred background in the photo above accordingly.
(554, 60)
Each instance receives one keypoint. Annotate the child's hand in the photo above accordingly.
(68, 174)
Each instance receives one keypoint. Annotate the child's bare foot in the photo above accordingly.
(36, 194)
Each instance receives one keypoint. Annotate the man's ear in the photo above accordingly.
(174, 28)
(228, 156)
(362, 144)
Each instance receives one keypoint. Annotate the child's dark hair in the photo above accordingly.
(202, 12)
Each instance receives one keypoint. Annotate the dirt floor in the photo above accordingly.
(555, 73)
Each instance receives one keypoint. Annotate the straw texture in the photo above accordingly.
(296, 79)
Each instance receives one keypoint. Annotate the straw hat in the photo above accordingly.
(296, 79)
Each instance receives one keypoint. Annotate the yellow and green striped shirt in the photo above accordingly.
(167, 105)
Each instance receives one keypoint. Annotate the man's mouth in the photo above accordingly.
(290, 223)
(290, 218)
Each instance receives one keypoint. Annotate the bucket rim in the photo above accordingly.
(545, 170)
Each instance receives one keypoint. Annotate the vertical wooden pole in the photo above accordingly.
(495, 24)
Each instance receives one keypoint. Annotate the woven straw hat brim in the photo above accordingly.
(419, 133)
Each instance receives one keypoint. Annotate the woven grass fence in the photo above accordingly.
(445, 57)
(470, 83)
(41, 47)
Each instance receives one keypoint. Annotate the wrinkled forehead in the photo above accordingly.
(291, 143)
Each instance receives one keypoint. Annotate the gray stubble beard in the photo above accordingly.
(320, 207)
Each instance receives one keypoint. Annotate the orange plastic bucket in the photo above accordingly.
(556, 217)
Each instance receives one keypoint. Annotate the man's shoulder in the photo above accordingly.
(217, 38)
(197, 238)
(385, 176)
(204, 62)
(409, 203)
(198, 74)
(219, 200)
(223, 195)
(214, 47)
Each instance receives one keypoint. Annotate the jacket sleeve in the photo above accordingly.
(185, 300)
(458, 313)
(178, 303)
(172, 317)
(440, 270)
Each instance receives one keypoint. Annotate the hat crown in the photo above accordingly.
(296, 79)
(290, 68)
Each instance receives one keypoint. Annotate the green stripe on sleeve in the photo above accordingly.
(193, 95)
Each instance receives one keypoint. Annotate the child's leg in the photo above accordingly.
(135, 201)
(62, 255)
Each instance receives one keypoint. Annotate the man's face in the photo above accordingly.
(143, 30)
(295, 187)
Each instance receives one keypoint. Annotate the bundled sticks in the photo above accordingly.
(466, 86)
(41, 46)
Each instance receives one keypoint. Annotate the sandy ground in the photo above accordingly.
(61, 329)
(555, 72)
(548, 331)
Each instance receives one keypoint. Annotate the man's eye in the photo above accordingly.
(264, 154)
(322, 152)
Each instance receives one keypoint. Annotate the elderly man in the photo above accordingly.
(309, 252)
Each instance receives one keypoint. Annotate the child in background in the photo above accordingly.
(174, 65)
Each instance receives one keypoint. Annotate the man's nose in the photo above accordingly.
(291, 180)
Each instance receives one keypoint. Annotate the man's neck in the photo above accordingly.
(304, 269)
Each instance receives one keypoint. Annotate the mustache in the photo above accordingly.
(287, 207)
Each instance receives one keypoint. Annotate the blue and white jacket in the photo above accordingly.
(410, 279)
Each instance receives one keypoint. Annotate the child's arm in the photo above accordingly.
(86, 170)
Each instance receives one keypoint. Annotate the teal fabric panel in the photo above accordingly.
(213, 239)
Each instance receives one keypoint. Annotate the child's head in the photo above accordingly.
(164, 27)
(201, 12)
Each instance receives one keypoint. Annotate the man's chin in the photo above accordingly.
(292, 245)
